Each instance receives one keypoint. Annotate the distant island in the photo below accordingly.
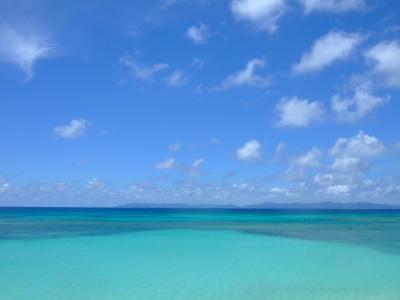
(325, 205)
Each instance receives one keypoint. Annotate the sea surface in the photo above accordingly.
(163, 254)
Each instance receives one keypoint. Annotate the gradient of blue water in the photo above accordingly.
(85, 254)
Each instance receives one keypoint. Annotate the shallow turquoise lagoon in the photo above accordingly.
(167, 254)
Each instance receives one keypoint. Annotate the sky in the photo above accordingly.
(199, 102)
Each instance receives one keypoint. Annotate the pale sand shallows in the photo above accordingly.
(194, 264)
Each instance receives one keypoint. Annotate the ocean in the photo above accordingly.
(149, 254)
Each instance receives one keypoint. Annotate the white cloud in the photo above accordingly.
(198, 34)
(177, 78)
(4, 187)
(334, 6)
(265, 14)
(296, 112)
(384, 58)
(357, 107)
(96, 184)
(333, 46)
(330, 179)
(300, 164)
(23, 49)
(355, 154)
(247, 77)
(198, 162)
(250, 151)
(166, 164)
(338, 189)
(278, 190)
(76, 128)
(330, 187)
(143, 72)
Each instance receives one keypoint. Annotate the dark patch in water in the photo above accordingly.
(377, 229)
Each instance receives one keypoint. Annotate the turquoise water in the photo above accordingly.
(101, 254)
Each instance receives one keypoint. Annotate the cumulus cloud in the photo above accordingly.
(250, 151)
(140, 71)
(247, 77)
(198, 34)
(356, 153)
(333, 46)
(384, 58)
(23, 49)
(166, 164)
(358, 106)
(264, 14)
(333, 6)
(300, 164)
(75, 129)
(296, 112)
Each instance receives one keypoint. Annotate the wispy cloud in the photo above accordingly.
(24, 49)
(169, 163)
(177, 78)
(215, 141)
(333, 46)
(246, 77)
(194, 168)
(96, 184)
(75, 129)
(300, 164)
(141, 71)
(198, 34)
(175, 147)
(165, 4)
(333, 6)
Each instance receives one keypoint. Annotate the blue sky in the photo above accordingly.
(201, 101)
